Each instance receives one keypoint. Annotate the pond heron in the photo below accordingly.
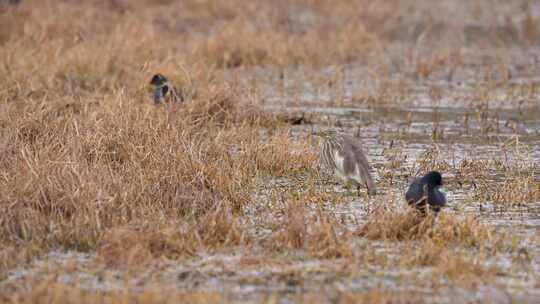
(343, 155)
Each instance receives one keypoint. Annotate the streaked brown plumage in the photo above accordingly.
(344, 155)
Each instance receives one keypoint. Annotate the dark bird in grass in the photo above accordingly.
(343, 154)
(425, 191)
(164, 90)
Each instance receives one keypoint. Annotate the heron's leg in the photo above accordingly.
(349, 187)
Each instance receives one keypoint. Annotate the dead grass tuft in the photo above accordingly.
(137, 246)
(446, 230)
(223, 104)
(318, 234)
(389, 223)
(50, 291)
(378, 296)
(128, 248)
(512, 191)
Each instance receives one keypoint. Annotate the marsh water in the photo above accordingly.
(447, 119)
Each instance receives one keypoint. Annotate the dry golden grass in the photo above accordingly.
(89, 164)
(319, 234)
(400, 223)
(52, 292)
(456, 246)
(375, 296)
(512, 191)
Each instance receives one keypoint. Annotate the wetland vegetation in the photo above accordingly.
(106, 197)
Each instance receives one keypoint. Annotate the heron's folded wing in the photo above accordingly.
(358, 156)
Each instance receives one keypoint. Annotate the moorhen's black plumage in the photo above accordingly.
(425, 192)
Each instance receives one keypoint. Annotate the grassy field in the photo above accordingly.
(105, 197)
